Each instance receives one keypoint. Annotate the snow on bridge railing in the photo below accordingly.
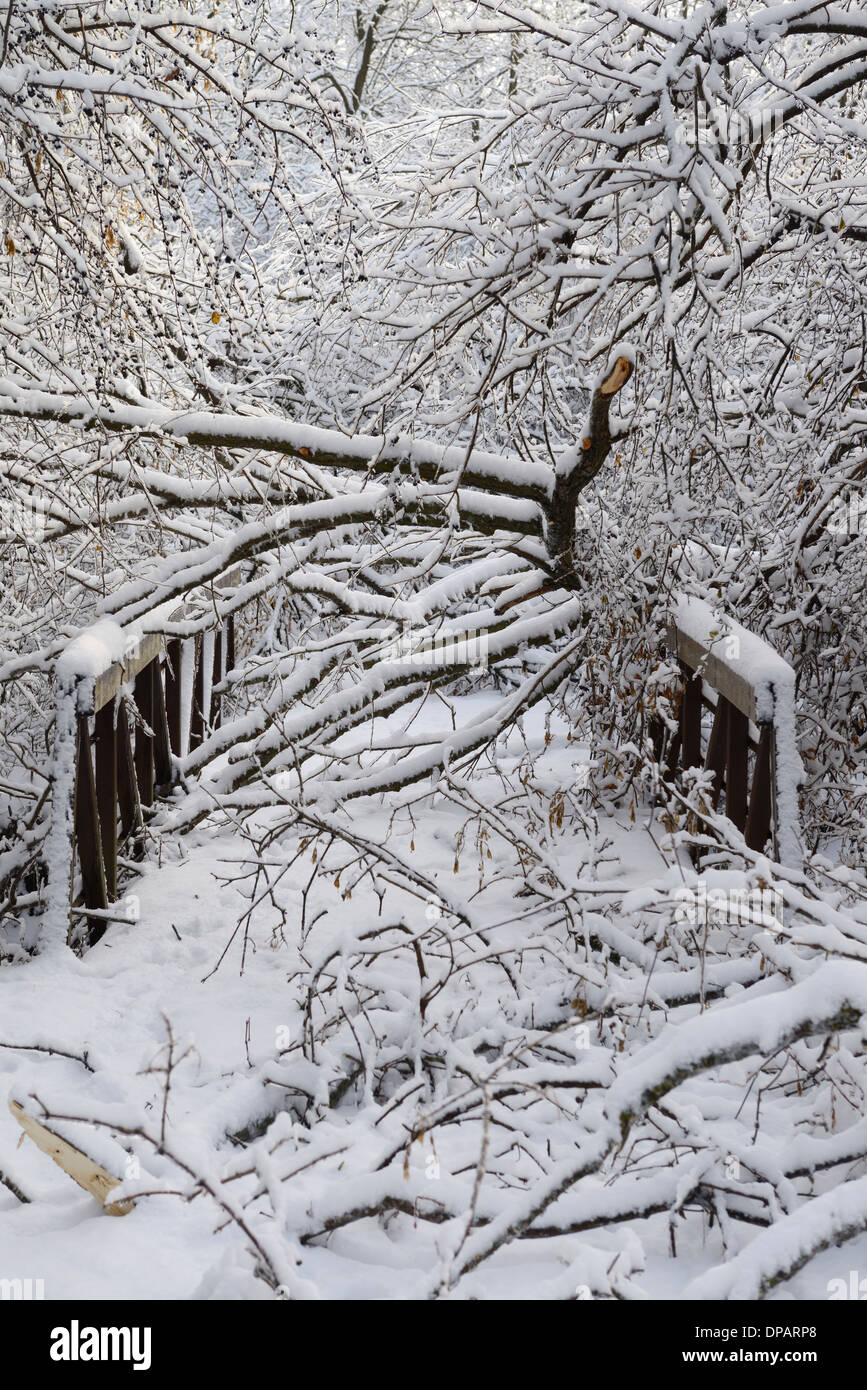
(129, 702)
(751, 747)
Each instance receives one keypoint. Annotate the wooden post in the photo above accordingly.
(672, 757)
(216, 677)
(737, 752)
(105, 744)
(197, 720)
(690, 719)
(127, 789)
(87, 825)
(716, 746)
(163, 767)
(656, 733)
(144, 743)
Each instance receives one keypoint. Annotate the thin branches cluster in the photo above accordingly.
(472, 335)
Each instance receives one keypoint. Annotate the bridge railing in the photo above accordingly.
(129, 704)
(737, 720)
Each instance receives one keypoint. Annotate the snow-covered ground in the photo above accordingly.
(233, 998)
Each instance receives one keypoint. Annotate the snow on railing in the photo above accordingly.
(751, 691)
(129, 703)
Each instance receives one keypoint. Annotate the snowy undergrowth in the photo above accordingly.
(543, 1077)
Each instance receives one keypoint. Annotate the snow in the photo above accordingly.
(419, 985)
(93, 651)
(772, 678)
(322, 446)
(236, 1019)
(829, 1220)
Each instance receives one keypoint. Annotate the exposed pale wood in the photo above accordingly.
(617, 377)
(83, 1170)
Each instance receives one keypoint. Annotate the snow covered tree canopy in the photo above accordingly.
(474, 334)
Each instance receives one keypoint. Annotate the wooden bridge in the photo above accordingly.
(130, 719)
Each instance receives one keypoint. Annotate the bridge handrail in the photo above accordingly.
(755, 687)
